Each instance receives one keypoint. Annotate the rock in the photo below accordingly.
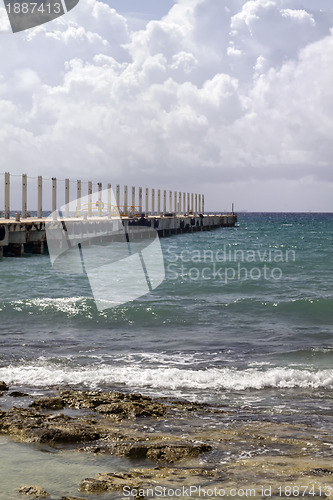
(168, 452)
(17, 394)
(3, 386)
(33, 491)
(128, 409)
(144, 478)
(73, 498)
(48, 403)
(94, 485)
(32, 426)
(115, 404)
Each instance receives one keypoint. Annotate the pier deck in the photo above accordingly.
(29, 234)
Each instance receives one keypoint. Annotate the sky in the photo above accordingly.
(230, 98)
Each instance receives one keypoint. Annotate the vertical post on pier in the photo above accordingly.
(147, 202)
(100, 201)
(196, 204)
(170, 201)
(175, 202)
(232, 209)
(54, 198)
(118, 196)
(158, 202)
(40, 197)
(164, 202)
(125, 200)
(192, 204)
(184, 203)
(153, 201)
(203, 203)
(133, 200)
(109, 201)
(179, 203)
(78, 197)
(188, 203)
(140, 200)
(90, 198)
(24, 195)
(7, 195)
(66, 197)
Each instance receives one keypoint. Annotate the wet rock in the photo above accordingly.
(114, 404)
(51, 403)
(73, 498)
(33, 426)
(94, 485)
(162, 452)
(17, 394)
(143, 478)
(33, 491)
(128, 409)
(3, 386)
(321, 471)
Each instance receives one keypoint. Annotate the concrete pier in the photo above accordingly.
(93, 208)
(29, 235)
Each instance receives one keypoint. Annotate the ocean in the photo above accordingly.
(243, 321)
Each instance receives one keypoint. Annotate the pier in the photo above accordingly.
(168, 212)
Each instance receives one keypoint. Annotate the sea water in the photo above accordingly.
(243, 319)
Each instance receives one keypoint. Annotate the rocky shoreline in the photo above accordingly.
(179, 443)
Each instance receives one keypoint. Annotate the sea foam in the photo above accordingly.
(44, 374)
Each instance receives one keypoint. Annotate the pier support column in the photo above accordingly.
(196, 204)
(140, 200)
(200, 207)
(153, 201)
(24, 195)
(7, 195)
(179, 203)
(170, 201)
(192, 204)
(175, 202)
(147, 202)
(38, 247)
(188, 203)
(184, 203)
(203, 203)
(158, 202)
(90, 198)
(54, 198)
(17, 249)
(40, 197)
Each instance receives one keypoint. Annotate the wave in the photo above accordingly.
(161, 378)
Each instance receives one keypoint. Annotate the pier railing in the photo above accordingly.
(25, 195)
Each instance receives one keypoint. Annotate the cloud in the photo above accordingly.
(210, 93)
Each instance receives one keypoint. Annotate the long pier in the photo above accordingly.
(168, 213)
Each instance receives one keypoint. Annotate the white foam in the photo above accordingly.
(44, 374)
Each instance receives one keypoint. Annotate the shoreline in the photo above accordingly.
(170, 443)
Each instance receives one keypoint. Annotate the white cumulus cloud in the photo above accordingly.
(212, 94)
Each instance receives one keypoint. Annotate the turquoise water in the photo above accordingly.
(243, 320)
(242, 311)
